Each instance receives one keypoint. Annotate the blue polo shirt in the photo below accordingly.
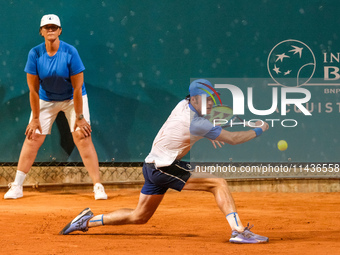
(55, 72)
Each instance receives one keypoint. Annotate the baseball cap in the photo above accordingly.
(50, 19)
(201, 86)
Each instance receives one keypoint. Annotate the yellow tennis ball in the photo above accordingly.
(282, 145)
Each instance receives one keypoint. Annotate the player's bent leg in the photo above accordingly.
(147, 205)
(90, 159)
(225, 201)
(27, 156)
(217, 186)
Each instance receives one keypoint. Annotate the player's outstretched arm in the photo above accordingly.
(239, 137)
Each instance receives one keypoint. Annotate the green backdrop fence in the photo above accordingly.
(140, 57)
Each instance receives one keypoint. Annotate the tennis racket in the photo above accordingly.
(222, 115)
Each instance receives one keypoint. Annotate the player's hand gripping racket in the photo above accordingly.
(222, 115)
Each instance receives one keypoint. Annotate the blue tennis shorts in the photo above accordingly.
(159, 180)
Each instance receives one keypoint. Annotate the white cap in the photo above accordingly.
(50, 19)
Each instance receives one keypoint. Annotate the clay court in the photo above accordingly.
(185, 223)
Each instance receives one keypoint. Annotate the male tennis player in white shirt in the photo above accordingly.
(163, 169)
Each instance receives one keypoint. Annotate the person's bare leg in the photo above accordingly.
(146, 207)
(219, 188)
(88, 154)
(29, 152)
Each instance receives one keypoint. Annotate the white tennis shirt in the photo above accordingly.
(180, 131)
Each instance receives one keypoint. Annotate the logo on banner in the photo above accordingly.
(292, 63)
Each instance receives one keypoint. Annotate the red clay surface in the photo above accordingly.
(185, 223)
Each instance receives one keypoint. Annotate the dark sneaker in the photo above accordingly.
(79, 223)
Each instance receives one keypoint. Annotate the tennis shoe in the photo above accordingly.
(79, 223)
(247, 236)
(14, 192)
(99, 192)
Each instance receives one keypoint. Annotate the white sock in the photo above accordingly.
(235, 222)
(19, 178)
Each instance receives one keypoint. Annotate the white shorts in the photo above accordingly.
(50, 109)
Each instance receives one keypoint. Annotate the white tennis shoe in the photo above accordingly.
(14, 192)
(247, 236)
(99, 192)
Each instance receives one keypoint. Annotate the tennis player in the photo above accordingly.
(163, 169)
(56, 82)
